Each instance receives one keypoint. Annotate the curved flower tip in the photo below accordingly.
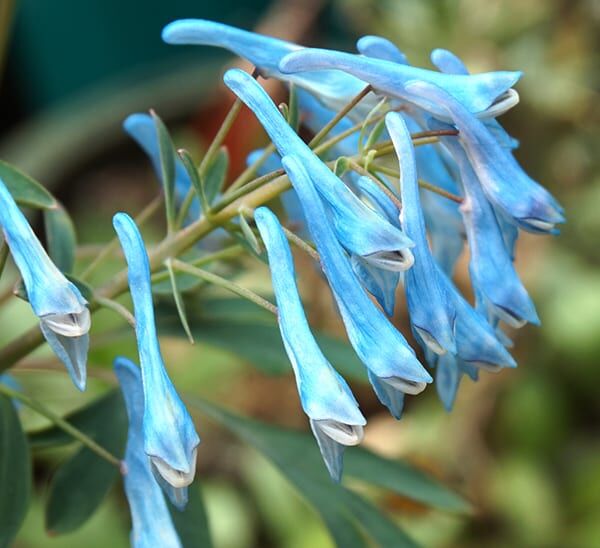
(378, 344)
(431, 314)
(170, 438)
(476, 92)
(446, 61)
(327, 400)
(151, 521)
(381, 48)
(505, 183)
(62, 310)
(360, 229)
(447, 379)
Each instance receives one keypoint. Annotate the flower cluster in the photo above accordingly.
(371, 235)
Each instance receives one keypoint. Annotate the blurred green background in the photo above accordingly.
(523, 445)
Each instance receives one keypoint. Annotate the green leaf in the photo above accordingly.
(241, 327)
(167, 165)
(402, 478)
(341, 166)
(194, 176)
(367, 122)
(249, 234)
(375, 134)
(293, 117)
(192, 523)
(15, 472)
(60, 238)
(82, 482)
(214, 178)
(297, 456)
(179, 301)
(89, 419)
(24, 189)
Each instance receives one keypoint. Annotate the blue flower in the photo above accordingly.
(361, 230)
(492, 271)
(333, 88)
(142, 128)
(392, 364)
(431, 314)
(381, 48)
(505, 183)
(478, 93)
(326, 398)
(170, 439)
(64, 317)
(151, 521)
(449, 372)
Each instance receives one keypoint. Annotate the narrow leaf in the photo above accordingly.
(60, 238)
(194, 176)
(167, 166)
(15, 472)
(293, 117)
(249, 234)
(24, 189)
(216, 172)
(82, 482)
(179, 301)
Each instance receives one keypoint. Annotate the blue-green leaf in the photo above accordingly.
(167, 166)
(192, 523)
(213, 179)
(15, 472)
(60, 238)
(24, 189)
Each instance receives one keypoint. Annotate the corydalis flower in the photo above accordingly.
(492, 271)
(361, 230)
(64, 317)
(503, 180)
(431, 314)
(333, 88)
(151, 521)
(381, 48)
(479, 93)
(326, 398)
(170, 439)
(392, 365)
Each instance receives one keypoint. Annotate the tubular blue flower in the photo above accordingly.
(361, 230)
(482, 94)
(62, 310)
(492, 271)
(142, 129)
(449, 372)
(449, 63)
(431, 314)
(170, 439)
(326, 398)
(505, 183)
(333, 88)
(151, 521)
(392, 364)
(381, 48)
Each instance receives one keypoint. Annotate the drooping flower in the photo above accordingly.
(151, 521)
(170, 438)
(479, 93)
(492, 271)
(333, 88)
(360, 229)
(326, 398)
(503, 180)
(392, 364)
(62, 310)
(431, 314)
(449, 372)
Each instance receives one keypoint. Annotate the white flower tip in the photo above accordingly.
(404, 385)
(74, 324)
(346, 434)
(177, 478)
(394, 261)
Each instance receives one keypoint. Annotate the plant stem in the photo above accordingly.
(252, 185)
(250, 171)
(226, 284)
(61, 423)
(116, 307)
(113, 245)
(334, 121)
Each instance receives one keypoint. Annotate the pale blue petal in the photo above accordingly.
(151, 521)
(170, 438)
(381, 48)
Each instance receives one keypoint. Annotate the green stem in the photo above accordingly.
(253, 185)
(116, 307)
(113, 245)
(61, 423)
(250, 171)
(225, 284)
(334, 121)
(362, 171)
